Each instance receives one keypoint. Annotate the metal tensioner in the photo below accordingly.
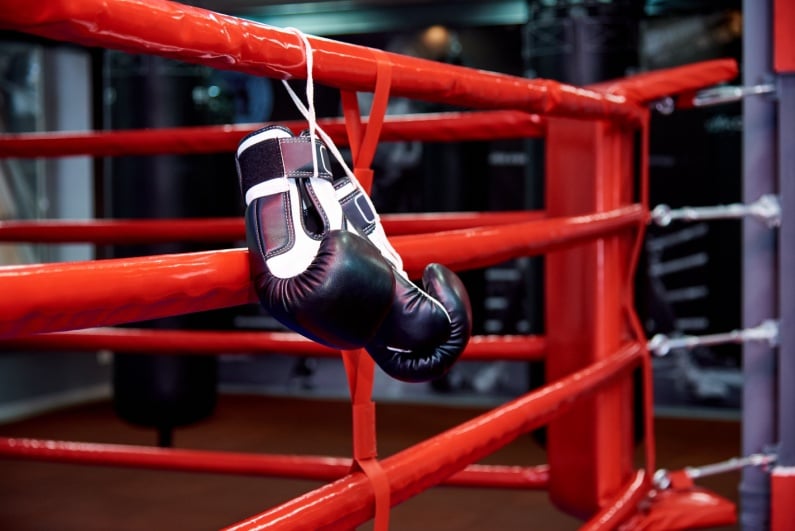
(728, 94)
(661, 345)
(767, 208)
(715, 96)
(664, 479)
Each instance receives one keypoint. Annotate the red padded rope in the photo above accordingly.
(358, 364)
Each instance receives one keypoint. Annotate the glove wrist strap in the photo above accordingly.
(282, 158)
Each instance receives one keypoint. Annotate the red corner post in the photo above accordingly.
(589, 169)
(782, 496)
(783, 36)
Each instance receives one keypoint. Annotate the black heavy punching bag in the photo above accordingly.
(584, 41)
(162, 391)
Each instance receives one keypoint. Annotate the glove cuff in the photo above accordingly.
(356, 205)
(268, 156)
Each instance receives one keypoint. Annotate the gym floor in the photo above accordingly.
(46, 496)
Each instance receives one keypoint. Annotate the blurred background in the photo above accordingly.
(689, 281)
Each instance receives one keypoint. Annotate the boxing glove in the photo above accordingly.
(326, 283)
(426, 329)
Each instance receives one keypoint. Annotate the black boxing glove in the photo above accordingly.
(426, 330)
(326, 283)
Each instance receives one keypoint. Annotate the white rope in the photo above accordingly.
(379, 237)
(308, 111)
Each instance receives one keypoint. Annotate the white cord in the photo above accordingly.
(308, 111)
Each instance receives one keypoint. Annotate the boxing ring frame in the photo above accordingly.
(596, 143)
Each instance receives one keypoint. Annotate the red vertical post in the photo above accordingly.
(783, 36)
(589, 169)
(782, 498)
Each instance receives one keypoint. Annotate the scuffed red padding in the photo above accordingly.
(311, 467)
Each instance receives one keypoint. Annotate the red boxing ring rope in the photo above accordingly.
(187, 33)
(120, 231)
(435, 127)
(592, 238)
(319, 468)
(193, 282)
(423, 465)
(622, 506)
(197, 342)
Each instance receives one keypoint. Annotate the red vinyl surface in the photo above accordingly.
(122, 231)
(679, 510)
(107, 292)
(584, 313)
(348, 502)
(591, 233)
(782, 496)
(784, 36)
(212, 343)
(196, 35)
(431, 127)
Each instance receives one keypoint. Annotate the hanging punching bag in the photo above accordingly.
(161, 391)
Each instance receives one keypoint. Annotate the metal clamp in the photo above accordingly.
(662, 478)
(661, 345)
(767, 208)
